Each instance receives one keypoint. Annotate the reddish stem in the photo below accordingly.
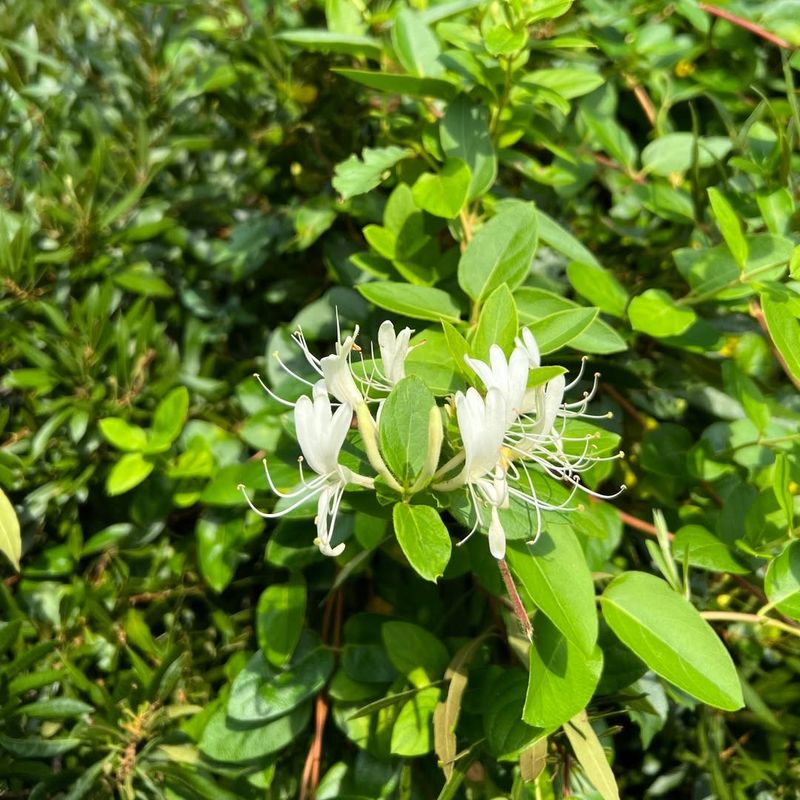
(748, 26)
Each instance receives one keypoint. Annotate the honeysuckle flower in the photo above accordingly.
(321, 432)
(394, 348)
(335, 368)
(482, 424)
(509, 376)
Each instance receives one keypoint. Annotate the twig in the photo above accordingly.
(748, 26)
(643, 98)
(640, 524)
(753, 619)
(629, 408)
(331, 618)
(519, 609)
(758, 315)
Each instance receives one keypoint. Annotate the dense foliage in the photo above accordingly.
(187, 184)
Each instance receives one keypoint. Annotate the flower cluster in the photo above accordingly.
(515, 425)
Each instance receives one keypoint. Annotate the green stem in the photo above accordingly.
(753, 619)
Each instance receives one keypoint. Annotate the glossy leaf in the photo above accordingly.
(669, 635)
(423, 538)
(500, 252)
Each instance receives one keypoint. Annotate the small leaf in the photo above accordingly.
(458, 347)
(671, 637)
(279, 619)
(599, 287)
(169, 418)
(784, 330)
(411, 732)
(10, 539)
(500, 40)
(591, 756)
(655, 313)
(403, 431)
(464, 133)
(332, 42)
(497, 324)
(729, 226)
(128, 473)
(394, 83)
(782, 581)
(416, 47)
(559, 329)
(423, 538)
(443, 194)
(418, 302)
(123, 435)
(415, 652)
(356, 176)
(500, 252)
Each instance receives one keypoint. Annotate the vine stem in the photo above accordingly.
(516, 601)
(753, 619)
(746, 24)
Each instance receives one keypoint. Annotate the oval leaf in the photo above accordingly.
(671, 637)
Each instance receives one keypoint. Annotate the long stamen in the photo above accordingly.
(271, 393)
(286, 369)
(306, 486)
(276, 514)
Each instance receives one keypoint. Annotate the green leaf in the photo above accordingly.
(32, 747)
(784, 330)
(729, 226)
(418, 302)
(229, 741)
(561, 680)
(497, 324)
(262, 693)
(675, 152)
(443, 194)
(394, 83)
(416, 47)
(123, 435)
(655, 313)
(458, 347)
(561, 240)
(10, 539)
(500, 252)
(781, 481)
(500, 40)
(506, 734)
(782, 581)
(534, 304)
(128, 473)
(280, 614)
(141, 279)
(464, 133)
(411, 732)
(331, 42)
(671, 637)
(356, 176)
(599, 287)
(55, 708)
(169, 418)
(591, 756)
(423, 538)
(554, 574)
(704, 550)
(569, 82)
(415, 653)
(403, 431)
(559, 329)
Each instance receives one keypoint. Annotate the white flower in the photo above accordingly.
(321, 433)
(482, 424)
(529, 344)
(394, 348)
(509, 376)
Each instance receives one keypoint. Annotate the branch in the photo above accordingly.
(748, 26)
